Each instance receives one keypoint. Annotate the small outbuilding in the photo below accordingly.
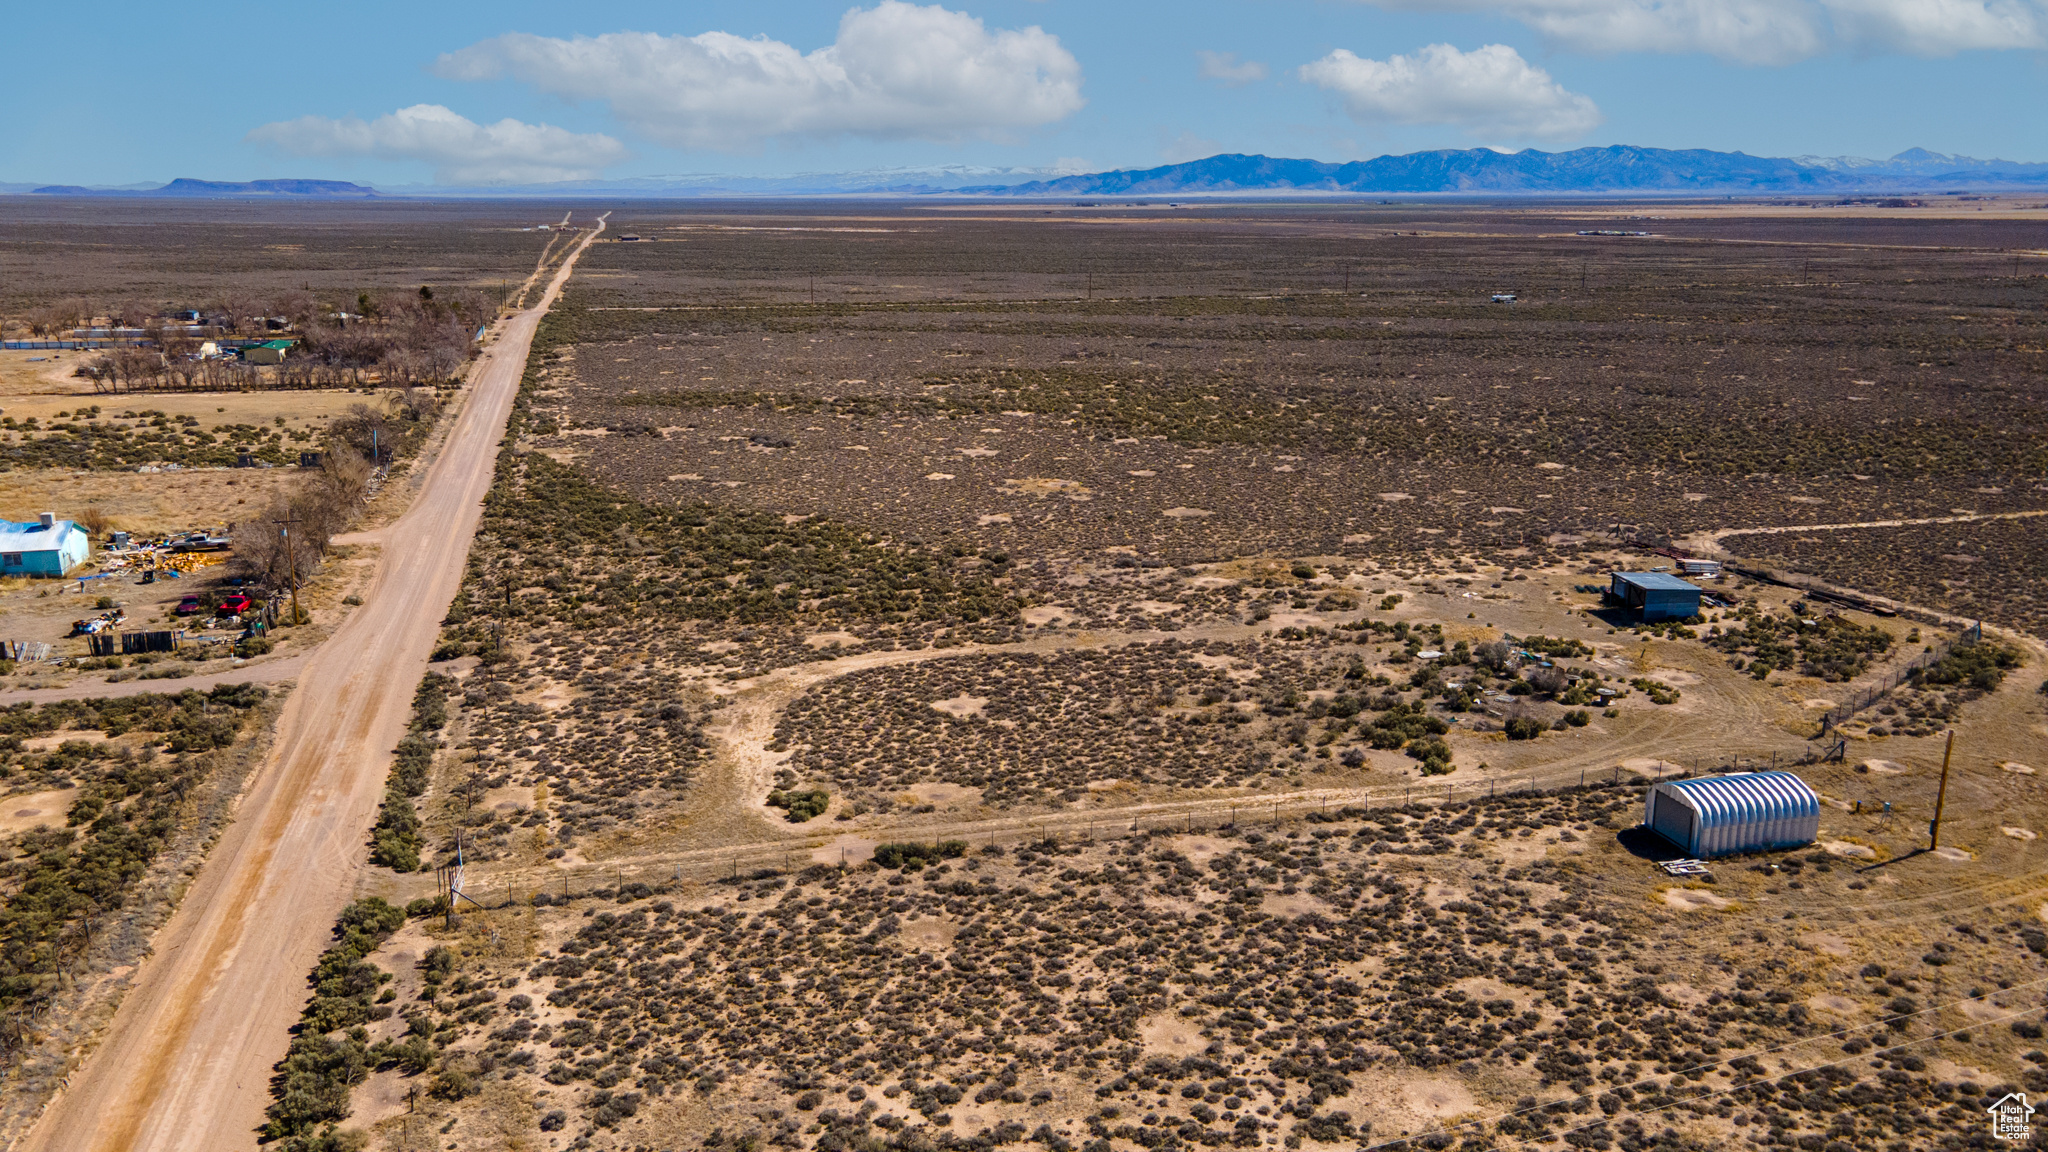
(1654, 596)
(268, 352)
(1739, 812)
(45, 546)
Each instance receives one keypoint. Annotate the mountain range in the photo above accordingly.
(225, 189)
(1619, 169)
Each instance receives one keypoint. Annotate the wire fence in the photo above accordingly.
(1875, 694)
(556, 884)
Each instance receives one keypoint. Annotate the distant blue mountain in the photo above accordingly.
(1478, 171)
(219, 189)
(1583, 170)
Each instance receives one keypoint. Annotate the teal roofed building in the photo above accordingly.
(1654, 596)
(45, 546)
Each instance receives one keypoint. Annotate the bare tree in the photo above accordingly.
(367, 430)
(1549, 681)
(312, 515)
(137, 367)
(1495, 656)
(95, 521)
(100, 370)
(237, 308)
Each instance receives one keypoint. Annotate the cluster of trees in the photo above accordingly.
(404, 340)
(399, 340)
(1833, 648)
(285, 546)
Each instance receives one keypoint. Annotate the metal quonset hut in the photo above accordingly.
(1654, 596)
(1740, 812)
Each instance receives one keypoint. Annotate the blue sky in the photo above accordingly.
(475, 94)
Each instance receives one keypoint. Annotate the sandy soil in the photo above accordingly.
(187, 1061)
(35, 809)
(25, 373)
(208, 498)
(1692, 899)
(300, 409)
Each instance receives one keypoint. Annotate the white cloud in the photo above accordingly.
(1489, 91)
(1939, 27)
(461, 150)
(1751, 31)
(1225, 68)
(1769, 31)
(896, 71)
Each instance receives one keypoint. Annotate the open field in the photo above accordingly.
(196, 253)
(941, 677)
(1987, 570)
(1495, 970)
(944, 678)
(106, 809)
(297, 820)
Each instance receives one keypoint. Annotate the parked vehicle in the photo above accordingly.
(189, 606)
(234, 605)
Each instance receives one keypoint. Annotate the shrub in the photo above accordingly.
(453, 1084)
(395, 840)
(1982, 666)
(801, 805)
(313, 1080)
(1524, 727)
(915, 855)
(129, 806)
(1434, 754)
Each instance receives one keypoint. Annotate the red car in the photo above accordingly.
(234, 605)
(188, 606)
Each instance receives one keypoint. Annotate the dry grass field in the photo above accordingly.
(939, 676)
(948, 677)
(193, 254)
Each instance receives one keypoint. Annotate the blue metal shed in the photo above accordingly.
(1654, 596)
(1740, 812)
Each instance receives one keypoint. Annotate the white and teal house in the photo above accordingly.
(45, 546)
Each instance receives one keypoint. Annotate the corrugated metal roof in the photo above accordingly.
(1740, 812)
(32, 536)
(1662, 581)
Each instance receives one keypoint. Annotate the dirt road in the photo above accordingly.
(186, 1063)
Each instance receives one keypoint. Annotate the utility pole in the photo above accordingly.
(1941, 797)
(291, 560)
